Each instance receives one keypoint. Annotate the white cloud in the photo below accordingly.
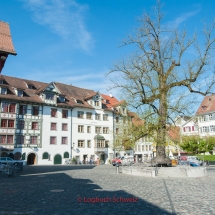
(63, 17)
(182, 18)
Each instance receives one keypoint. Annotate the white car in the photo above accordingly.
(10, 161)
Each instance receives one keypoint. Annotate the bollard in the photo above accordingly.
(117, 167)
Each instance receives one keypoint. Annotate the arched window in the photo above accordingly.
(23, 156)
(45, 155)
(66, 155)
(17, 156)
(11, 155)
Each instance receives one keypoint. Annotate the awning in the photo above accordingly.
(99, 137)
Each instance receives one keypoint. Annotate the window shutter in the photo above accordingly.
(192, 128)
(184, 129)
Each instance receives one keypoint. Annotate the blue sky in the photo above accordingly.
(76, 42)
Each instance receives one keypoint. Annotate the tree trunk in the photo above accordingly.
(162, 129)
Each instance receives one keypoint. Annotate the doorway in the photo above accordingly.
(57, 159)
(31, 160)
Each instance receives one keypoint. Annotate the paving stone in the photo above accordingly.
(86, 189)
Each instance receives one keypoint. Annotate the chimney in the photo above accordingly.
(111, 95)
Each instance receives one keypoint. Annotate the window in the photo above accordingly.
(97, 116)
(97, 130)
(100, 143)
(5, 106)
(3, 123)
(203, 118)
(53, 112)
(10, 139)
(117, 119)
(210, 116)
(96, 103)
(50, 96)
(64, 140)
(117, 131)
(12, 108)
(30, 86)
(22, 109)
(3, 90)
(33, 140)
(81, 143)
(53, 140)
(88, 143)
(34, 125)
(20, 139)
(106, 143)
(19, 93)
(3, 139)
(64, 113)
(88, 129)
(45, 155)
(81, 129)
(11, 123)
(66, 155)
(21, 124)
(80, 114)
(64, 127)
(205, 129)
(89, 115)
(187, 129)
(147, 148)
(105, 117)
(53, 126)
(35, 110)
(105, 130)
(212, 128)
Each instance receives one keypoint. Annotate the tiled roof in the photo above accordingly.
(174, 133)
(136, 119)
(72, 93)
(207, 105)
(6, 44)
(19, 83)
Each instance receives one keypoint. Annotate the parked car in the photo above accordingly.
(117, 160)
(194, 161)
(125, 160)
(10, 161)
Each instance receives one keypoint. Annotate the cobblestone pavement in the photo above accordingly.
(85, 189)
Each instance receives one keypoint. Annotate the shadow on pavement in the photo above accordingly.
(59, 193)
(52, 168)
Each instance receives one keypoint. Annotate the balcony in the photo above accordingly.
(100, 150)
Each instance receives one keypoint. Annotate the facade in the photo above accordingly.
(47, 123)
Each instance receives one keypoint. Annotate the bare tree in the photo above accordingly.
(164, 69)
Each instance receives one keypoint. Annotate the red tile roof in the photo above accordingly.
(6, 44)
(207, 105)
(174, 133)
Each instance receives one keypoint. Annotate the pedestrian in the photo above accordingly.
(91, 161)
(98, 161)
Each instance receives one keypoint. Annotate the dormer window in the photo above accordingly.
(50, 96)
(3, 90)
(79, 102)
(61, 99)
(96, 103)
(30, 86)
(1, 81)
(19, 93)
